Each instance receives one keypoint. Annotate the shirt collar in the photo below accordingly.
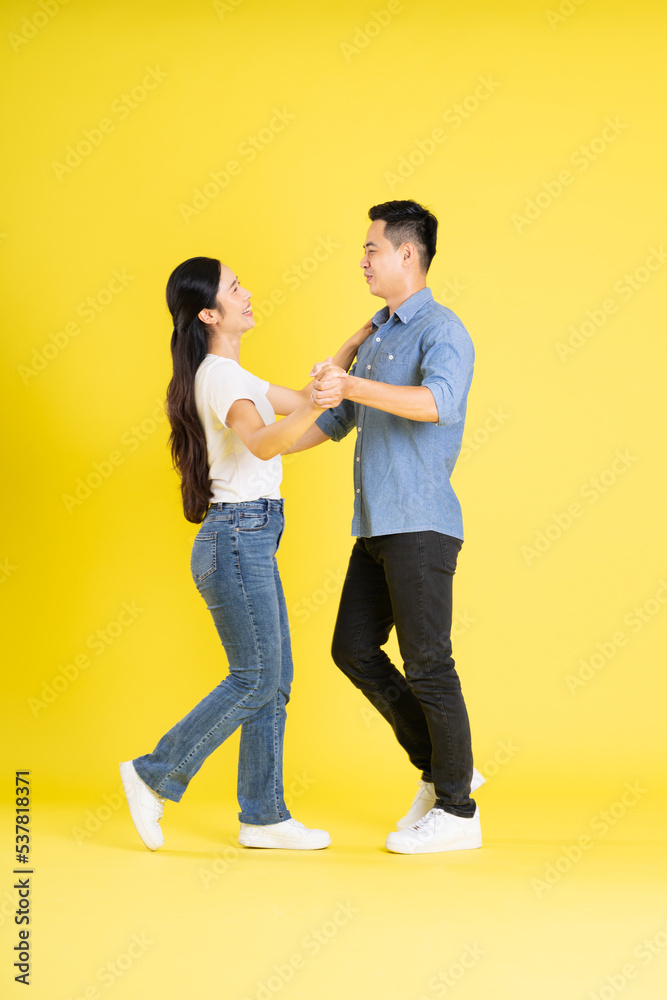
(407, 310)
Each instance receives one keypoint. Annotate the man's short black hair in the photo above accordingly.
(408, 222)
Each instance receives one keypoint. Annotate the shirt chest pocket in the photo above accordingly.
(392, 368)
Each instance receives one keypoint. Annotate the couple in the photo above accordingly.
(406, 396)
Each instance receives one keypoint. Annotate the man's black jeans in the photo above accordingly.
(405, 580)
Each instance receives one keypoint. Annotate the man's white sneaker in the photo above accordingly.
(146, 806)
(437, 831)
(424, 800)
(289, 834)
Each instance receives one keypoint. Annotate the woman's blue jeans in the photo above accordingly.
(234, 567)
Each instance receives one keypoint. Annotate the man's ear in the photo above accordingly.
(409, 252)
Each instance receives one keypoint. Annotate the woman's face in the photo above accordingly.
(234, 303)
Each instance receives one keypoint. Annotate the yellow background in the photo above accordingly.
(362, 102)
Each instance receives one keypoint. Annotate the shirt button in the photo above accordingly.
(391, 357)
(377, 339)
(358, 491)
(358, 428)
(368, 367)
(357, 458)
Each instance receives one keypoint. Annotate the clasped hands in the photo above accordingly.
(329, 386)
(332, 382)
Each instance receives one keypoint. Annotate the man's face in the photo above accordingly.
(381, 262)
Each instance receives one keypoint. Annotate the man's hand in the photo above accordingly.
(329, 385)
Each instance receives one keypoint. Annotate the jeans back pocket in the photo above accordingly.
(202, 560)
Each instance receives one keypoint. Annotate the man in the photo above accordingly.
(406, 396)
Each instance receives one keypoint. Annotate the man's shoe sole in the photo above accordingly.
(462, 844)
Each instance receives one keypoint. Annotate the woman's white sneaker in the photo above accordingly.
(290, 834)
(437, 831)
(425, 798)
(146, 806)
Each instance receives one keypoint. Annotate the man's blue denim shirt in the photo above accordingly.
(402, 467)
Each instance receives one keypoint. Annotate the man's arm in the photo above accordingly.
(414, 402)
(446, 367)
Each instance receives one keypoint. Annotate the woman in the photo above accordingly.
(226, 446)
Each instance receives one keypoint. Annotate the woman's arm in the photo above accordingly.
(267, 440)
(285, 400)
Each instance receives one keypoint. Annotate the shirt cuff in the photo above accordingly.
(331, 426)
(447, 414)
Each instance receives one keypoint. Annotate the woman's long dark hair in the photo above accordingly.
(192, 286)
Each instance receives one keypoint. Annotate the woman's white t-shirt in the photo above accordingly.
(236, 474)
